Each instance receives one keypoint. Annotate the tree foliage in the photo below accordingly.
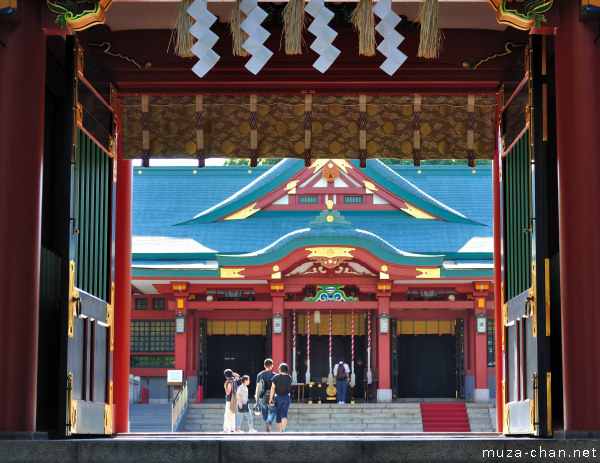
(389, 162)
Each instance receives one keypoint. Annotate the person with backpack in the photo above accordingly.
(280, 395)
(263, 394)
(341, 372)
(231, 384)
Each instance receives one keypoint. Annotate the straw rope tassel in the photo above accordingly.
(238, 36)
(364, 21)
(183, 21)
(430, 43)
(293, 25)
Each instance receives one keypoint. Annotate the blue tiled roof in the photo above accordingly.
(164, 197)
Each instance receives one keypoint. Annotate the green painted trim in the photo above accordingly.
(467, 273)
(184, 256)
(173, 273)
(250, 260)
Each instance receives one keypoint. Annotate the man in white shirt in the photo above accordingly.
(341, 373)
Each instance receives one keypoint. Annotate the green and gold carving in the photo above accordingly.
(529, 15)
(71, 18)
(330, 293)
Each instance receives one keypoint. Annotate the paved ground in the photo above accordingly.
(300, 448)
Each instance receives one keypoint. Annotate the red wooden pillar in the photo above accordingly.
(577, 68)
(384, 364)
(122, 293)
(22, 85)
(181, 339)
(482, 391)
(278, 340)
(498, 325)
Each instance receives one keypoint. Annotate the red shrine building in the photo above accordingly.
(311, 264)
(101, 275)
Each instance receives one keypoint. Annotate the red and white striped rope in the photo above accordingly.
(330, 333)
(294, 330)
(308, 336)
(352, 343)
(369, 329)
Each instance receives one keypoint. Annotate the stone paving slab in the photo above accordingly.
(307, 447)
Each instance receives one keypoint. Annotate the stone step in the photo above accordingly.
(329, 417)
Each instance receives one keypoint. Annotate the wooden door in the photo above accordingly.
(526, 191)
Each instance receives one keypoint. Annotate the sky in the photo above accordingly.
(181, 162)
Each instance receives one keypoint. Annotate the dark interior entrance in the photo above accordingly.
(426, 366)
(243, 354)
(319, 357)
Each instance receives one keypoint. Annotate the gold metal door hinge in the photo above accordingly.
(72, 406)
(74, 306)
(108, 418)
(547, 294)
(533, 406)
(531, 297)
(110, 316)
(549, 402)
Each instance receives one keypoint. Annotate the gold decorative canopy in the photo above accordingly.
(276, 126)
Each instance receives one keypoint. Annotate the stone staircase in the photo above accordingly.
(149, 418)
(359, 417)
(482, 417)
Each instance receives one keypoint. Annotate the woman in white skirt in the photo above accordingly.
(230, 396)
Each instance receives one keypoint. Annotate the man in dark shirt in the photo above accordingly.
(280, 391)
(266, 375)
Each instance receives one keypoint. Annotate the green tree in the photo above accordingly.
(246, 162)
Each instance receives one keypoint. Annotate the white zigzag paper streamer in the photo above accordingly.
(324, 34)
(391, 38)
(207, 58)
(257, 35)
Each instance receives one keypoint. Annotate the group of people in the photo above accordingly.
(272, 394)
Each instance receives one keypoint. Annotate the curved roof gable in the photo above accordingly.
(267, 182)
(329, 229)
(283, 177)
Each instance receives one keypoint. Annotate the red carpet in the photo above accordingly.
(445, 417)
